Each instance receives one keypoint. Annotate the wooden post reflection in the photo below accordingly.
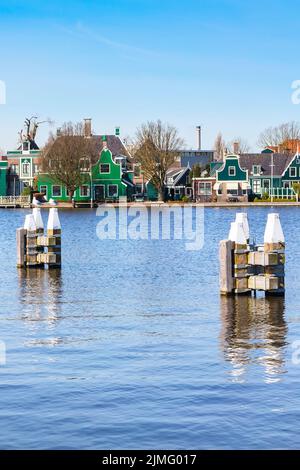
(253, 333)
(39, 293)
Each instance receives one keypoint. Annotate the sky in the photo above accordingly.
(226, 65)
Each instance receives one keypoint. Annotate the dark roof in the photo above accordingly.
(171, 172)
(33, 145)
(280, 161)
(176, 174)
(114, 144)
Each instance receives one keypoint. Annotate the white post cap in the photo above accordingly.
(36, 212)
(30, 223)
(237, 233)
(242, 217)
(273, 231)
(231, 231)
(53, 219)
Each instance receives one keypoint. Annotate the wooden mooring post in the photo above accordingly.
(21, 247)
(246, 268)
(34, 248)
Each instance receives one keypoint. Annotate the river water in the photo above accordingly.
(130, 345)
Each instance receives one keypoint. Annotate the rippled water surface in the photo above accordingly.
(130, 346)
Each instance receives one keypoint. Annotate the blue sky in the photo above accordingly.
(225, 64)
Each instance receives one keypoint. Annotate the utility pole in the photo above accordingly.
(272, 174)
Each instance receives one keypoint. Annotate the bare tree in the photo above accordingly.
(158, 145)
(66, 157)
(219, 147)
(284, 137)
(31, 126)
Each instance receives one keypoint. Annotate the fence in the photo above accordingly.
(283, 193)
(14, 201)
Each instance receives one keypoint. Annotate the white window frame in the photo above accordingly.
(295, 171)
(258, 183)
(256, 170)
(88, 190)
(205, 191)
(46, 192)
(104, 172)
(231, 167)
(28, 146)
(57, 186)
(116, 194)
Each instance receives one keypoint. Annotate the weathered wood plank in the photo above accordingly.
(226, 275)
(21, 241)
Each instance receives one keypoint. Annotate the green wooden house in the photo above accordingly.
(270, 174)
(105, 181)
(244, 177)
(232, 180)
(3, 178)
(23, 167)
(291, 172)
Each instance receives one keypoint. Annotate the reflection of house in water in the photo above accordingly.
(39, 294)
(254, 333)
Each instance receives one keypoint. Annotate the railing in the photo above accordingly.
(14, 200)
(282, 193)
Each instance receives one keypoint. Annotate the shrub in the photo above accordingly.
(265, 196)
(275, 199)
(26, 191)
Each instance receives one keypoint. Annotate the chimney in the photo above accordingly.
(198, 129)
(58, 132)
(87, 127)
(236, 148)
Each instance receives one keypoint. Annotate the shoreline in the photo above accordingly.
(67, 205)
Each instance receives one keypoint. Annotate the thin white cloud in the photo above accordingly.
(89, 34)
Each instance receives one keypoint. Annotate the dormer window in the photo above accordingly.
(25, 146)
(120, 160)
(232, 171)
(84, 164)
(256, 169)
(293, 172)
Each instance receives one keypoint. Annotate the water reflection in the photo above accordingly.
(40, 292)
(254, 332)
